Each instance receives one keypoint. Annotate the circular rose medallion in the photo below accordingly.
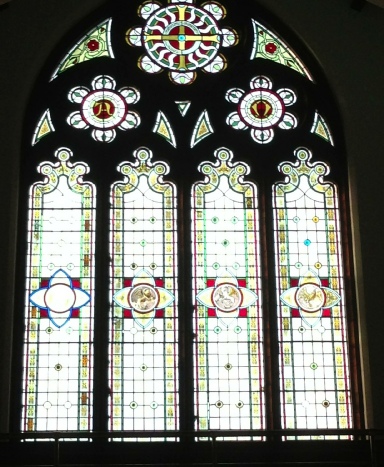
(227, 297)
(261, 109)
(182, 37)
(143, 298)
(310, 297)
(59, 298)
(104, 109)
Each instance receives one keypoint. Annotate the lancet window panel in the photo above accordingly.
(58, 339)
(228, 357)
(144, 327)
(312, 334)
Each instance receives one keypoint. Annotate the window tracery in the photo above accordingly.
(189, 241)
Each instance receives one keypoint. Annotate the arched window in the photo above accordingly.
(187, 264)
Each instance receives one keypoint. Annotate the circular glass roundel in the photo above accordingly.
(261, 109)
(143, 298)
(59, 298)
(104, 109)
(310, 297)
(182, 37)
(226, 297)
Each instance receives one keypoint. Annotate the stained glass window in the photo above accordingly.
(213, 294)
(320, 128)
(183, 107)
(96, 43)
(226, 285)
(182, 38)
(58, 351)
(164, 129)
(261, 109)
(203, 128)
(43, 128)
(269, 46)
(103, 108)
(314, 375)
(143, 370)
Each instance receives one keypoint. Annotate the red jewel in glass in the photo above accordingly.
(271, 48)
(261, 109)
(103, 109)
(93, 45)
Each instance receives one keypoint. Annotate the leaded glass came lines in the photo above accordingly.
(314, 373)
(143, 333)
(96, 43)
(43, 128)
(217, 285)
(268, 45)
(226, 283)
(181, 38)
(58, 346)
(320, 128)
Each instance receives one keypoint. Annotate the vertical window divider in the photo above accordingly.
(102, 305)
(185, 310)
(271, 346)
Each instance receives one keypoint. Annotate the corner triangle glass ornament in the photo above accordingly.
(269, 46)
(43, 128)
(203, 128)
(164, 129)
(321, 128)
(183, 107)
(95, 44)
(181, 38)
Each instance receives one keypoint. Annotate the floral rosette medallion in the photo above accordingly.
(59, 298)
(261, 110)
(143, 298)
(181, 38)
(310, 298)
(226, 297)
(104, 109)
